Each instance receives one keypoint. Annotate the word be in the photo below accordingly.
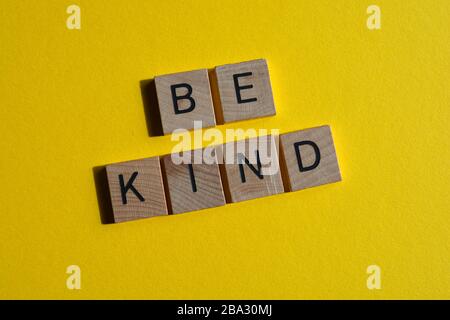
(240, 91)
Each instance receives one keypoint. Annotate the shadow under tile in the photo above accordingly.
(151, 109)
(103, 197)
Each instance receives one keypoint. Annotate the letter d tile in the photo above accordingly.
(309, 158)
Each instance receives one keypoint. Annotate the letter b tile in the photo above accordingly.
(184, 98)
(310, 158)
(136, 189)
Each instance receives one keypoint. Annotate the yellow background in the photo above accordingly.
(71, 100)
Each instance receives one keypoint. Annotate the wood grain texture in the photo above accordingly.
(193, 187)
(201, 94)
(251, 102)
(327, 169)
(242, 182)
(147, 182)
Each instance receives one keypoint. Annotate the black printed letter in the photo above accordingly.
(191, 175)
(238, 88)
(299, 158)
(124, 188)
(187, 96)
(241, 166)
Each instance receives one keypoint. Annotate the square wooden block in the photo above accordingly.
(193, 186)
(252, 168)
(245, 90)
(136, 189)
(310, 158)
(183, 98)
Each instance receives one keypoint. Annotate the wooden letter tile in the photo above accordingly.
(193, 186)
(252, 168)
(136, 189)
(310, 158)
(245, 90)
(185, 97)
